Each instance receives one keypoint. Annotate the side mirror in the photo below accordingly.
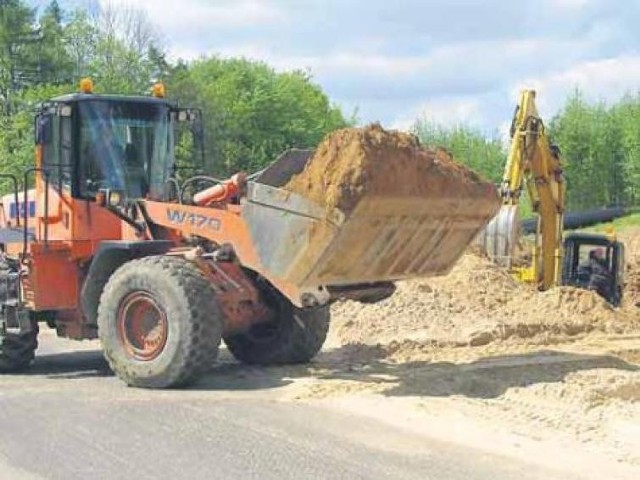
(43, 129)
(187, 115)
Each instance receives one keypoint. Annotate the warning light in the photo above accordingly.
(86, 85)
(158, 90)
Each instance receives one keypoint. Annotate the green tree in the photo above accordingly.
(16, 131)
(17, 61)
(81, 36)
(55, 62)
(627, 116)
(125, 41)
(252, 113)
(590, 138)
(468, 146)
(117, 48)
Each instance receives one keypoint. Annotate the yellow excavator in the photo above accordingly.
(535, 164)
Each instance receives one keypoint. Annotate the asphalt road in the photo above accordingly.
(70, 418)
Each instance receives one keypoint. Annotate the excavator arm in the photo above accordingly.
(533, 164)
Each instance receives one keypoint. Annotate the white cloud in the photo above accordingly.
(463, 55)
(189, 15)
(606, 79)
(444, 111)
(490, 110)
(395, 61)
(568, 5)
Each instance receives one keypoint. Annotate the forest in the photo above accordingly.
(252, 112)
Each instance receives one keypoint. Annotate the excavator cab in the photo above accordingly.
(594, 262)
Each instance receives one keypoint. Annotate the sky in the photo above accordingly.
(451, 61)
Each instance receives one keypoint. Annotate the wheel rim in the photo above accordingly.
(142, 326)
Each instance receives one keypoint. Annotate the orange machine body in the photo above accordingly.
(60, 243)
(66, 233)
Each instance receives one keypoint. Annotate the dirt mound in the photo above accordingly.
(355, 161)
(478, 303)
(569, 311)
(440, 309)
(632, 288)
(631, 239)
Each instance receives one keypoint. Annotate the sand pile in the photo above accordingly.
(355, 161)
(439, 309)
(632, 289)
(631, 239)
(476, 304)
(567, 311)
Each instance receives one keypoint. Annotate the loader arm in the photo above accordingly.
(535, 165)
(313, 254)
(225, 226)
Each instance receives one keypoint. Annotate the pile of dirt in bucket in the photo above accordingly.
(354, 162)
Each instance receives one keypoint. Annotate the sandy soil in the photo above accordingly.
(353, 162)
(476, 304)
(492, 361)
(631, 238)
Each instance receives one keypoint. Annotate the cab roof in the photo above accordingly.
(590, 238)
(81, 97)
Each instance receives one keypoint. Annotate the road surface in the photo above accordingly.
(70, 418)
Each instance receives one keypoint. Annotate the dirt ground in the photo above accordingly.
(477, 351)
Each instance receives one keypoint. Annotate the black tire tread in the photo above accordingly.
(203, 339)
(17, 351)
(301, 338)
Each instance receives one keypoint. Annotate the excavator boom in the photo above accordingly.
(535, 165)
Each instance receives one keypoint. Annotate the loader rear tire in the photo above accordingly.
(17, 351)
(159, 322)
(295, 335)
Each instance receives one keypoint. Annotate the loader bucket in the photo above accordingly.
(385, 238)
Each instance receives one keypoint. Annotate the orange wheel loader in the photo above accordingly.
(110, 245)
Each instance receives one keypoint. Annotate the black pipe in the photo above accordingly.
(579, 219)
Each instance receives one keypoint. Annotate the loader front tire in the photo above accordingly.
(17, 351)
(159, 322)
(294, 335)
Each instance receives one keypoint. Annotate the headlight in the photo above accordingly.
(115, 199)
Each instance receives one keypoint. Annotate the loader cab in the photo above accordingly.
(95, 144)
(594, 262)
